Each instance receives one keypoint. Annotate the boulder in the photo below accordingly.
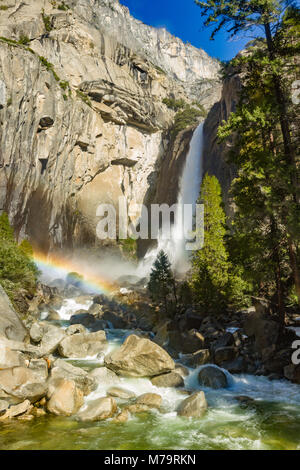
(36, 332)
(11, 326)
(66, 398)
(137, 408)
(52, 336)
(114, 319)
(181, 370)
(119, 392)
(194, 406)
(84, 318)
(139, 357)
(186, 342)
(98, 410)
(265, 331)
(102, 375)
(83, 344)
(198, 358)
(171, 379)
(22, 383)
(237, 366)
(151, 400)
(212, 377)
(10, 358)
(17, 410)
(83, 380)
(122, 417)
(225, 354)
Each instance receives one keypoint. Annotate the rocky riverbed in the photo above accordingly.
(81, 373)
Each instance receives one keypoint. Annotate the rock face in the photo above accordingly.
(194, 406)
(82, 113)
(11, 327)
(139, 357)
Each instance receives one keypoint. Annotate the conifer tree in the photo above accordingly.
(162, 286)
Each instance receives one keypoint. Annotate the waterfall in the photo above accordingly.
(189, 189)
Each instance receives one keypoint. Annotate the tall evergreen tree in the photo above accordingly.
(214, 282)
(162, 286)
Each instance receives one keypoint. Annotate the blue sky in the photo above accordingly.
(182, 18)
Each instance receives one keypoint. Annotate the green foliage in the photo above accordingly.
(17, 270)
(47, 22)
(214, 281)
(162, 286)
(188, 116)
(171, 103)
(24, 40)
(84, 97)
(3, 7)
(63, 7)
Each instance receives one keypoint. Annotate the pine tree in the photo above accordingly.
(162, 286)
(272, 66)
(212, 273)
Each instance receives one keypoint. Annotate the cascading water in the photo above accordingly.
(189, 188)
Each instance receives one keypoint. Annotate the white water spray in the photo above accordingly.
(189, 189)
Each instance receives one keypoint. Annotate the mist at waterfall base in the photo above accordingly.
(189, 189)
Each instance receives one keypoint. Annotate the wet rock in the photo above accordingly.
(83, 380)
(212, 377)
(122, 417)
(11, 326)
(83, 345)
(137, 408)
(98, 410)
(181, 370)
(172, 379)
(66, 399)
(194, 406)
(245, 402)
(102, 375)
(151, 400)
(116, 320)
(17, 410)
(119, 392)
(139, 357)
(237, 366)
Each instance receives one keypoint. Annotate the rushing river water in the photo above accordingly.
(271, 422)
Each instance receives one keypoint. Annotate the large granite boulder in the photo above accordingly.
(171, 379)
(11, 326)
(83, 380)
(98, 410)
(83, 344)
(21, 383)
(66, 399)
(139, 357)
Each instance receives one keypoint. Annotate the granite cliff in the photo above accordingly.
(82, 117)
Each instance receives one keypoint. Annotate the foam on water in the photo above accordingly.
(70, 307)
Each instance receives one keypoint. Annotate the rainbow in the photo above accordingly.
(91, 282)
